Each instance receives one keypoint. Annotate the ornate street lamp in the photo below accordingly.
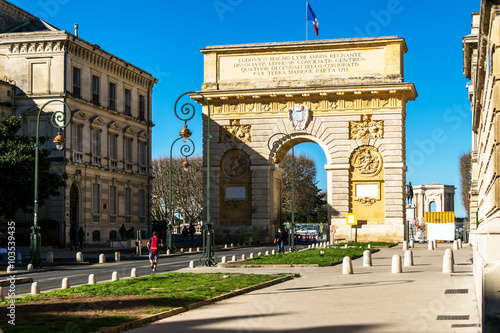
(186, 113)
(275, 148)
(58, 119)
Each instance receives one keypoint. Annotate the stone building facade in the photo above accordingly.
(346, 95)
(107, 156)
(482, 67)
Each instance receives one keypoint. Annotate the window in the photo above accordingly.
(96, 199)
(112, 200)
(142, 203)
(112, 96)
(127, 102)
(113, 147)
(142, 153)
(76, 138)
(95, 90)
(95, 141)
(76, 82)
(142, 108)
(127, 150)
(128, 201)
(96, 236)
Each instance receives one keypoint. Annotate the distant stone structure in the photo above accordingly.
(424, 195)
(346, 95)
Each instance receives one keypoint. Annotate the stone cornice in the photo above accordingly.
(47, 42)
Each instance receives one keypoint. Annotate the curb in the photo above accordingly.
(175, 311)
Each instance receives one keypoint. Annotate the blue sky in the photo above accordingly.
(164, 38)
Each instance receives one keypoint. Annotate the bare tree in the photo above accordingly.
(305, 185)
(465, 180)
(187, 189)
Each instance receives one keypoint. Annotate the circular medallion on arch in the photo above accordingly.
(367, 161)
(235, 164)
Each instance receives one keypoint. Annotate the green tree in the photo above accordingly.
(307, 195)
(465, 166)
(17, 171)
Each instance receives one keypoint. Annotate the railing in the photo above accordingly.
(77, 156)
(112, 219)
(97, 160)
(128, 167)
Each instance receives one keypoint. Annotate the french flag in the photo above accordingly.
(312, 17)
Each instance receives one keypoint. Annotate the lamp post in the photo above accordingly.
(57, 118)
(275, 147)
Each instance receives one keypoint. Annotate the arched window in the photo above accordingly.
(96, 236)
(432, 206)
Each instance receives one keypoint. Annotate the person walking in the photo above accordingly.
(184, 234)
(153, 244)
(279, 239)
(81, 237)
(192, 230)
(72, 238)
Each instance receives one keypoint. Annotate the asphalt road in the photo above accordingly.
(51, 277)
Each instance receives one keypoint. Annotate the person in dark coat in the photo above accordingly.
(81, 237)
(192, 230)
(72, 237)
(279, 240)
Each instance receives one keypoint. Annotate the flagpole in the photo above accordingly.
(307, 3)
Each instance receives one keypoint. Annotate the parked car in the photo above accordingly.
(308, 230)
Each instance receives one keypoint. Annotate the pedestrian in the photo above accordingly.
(123, 231)
(153, 244)
(81, 237)
(72, 237)
(192, 230)
(279, 240)
(185, 233)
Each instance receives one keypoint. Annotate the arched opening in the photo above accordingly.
(311, 212)
(432, 206)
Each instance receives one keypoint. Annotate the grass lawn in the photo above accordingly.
(365, 244)
(312, 256)
(88, 308)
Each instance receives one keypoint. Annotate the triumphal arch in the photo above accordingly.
(346, 95)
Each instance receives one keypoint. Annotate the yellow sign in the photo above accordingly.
(351, 219)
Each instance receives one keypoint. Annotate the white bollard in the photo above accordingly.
(345, 246)
(273, 252)
(92, 279)
(232, 245)
(197, 249)
(79, 257)
(411, 244)
(182, 250)
(267, 253)
(168, 252)
(455, 245)
(369, 246)
(396, 264)
(347, 266)
(243, 257)
(408, 258)
(35, 288)
(251, 255)
(450, 252)
(459, 243)
(190, 250)
(115, 276)
(259, 254)
(233, 258)
(2, 294)
(10, 268)
(191, 264)
(447, 262)
(405, 245)
(367, 258)
(133, 273)
(430, 245)
(65, 283)
(50, 257)
(102, 258)
(225, 246)
(435, 244)
(224, 259)
(117, 256)
(29, 267)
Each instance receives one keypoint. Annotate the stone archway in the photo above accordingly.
(348, 96)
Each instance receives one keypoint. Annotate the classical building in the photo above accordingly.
(107, 156)
(346, 95)
(482, 67)
(433, 197)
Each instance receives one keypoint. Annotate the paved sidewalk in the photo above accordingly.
(323, 300)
